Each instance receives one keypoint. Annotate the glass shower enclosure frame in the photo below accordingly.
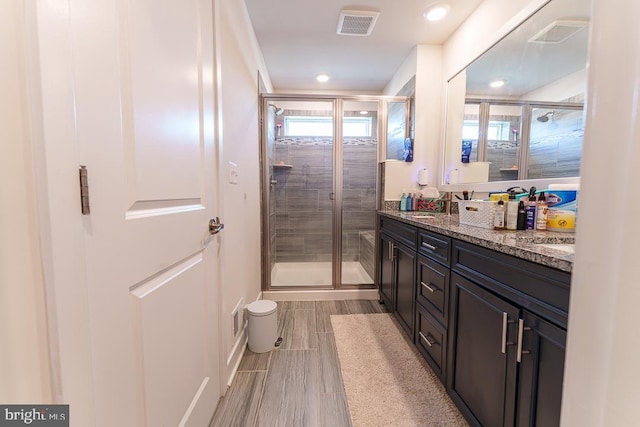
(320, 189)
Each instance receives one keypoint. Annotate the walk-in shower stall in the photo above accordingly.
(320, 189)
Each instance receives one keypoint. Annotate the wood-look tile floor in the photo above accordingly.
(299, 384)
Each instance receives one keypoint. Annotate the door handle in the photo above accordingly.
(215, 226)
(505, 323)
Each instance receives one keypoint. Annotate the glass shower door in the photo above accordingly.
(359, 186)
(300, 150)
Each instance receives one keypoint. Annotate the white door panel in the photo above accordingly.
(144, 115)
(163, 54)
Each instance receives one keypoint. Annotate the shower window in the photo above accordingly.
(323, 126)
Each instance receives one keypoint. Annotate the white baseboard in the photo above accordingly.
(319, 295)
(235, 358)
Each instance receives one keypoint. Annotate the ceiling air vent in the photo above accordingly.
(558, 31)
(356, 22)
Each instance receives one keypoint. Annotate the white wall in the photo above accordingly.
(428, 115)
(567, 87)
(239, 63)
(24, 364)
(603, 349)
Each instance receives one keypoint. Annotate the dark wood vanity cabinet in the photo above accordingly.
(507, 338)
(491, 326)
(397, 267)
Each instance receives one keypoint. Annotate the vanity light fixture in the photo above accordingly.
(497, 83)
(436, 12)
(322, 78)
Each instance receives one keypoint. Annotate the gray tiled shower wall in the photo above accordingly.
(303, 216)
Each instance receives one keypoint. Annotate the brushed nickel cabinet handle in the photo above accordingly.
(505, 323)
(521, 329)
(426, 339)
(430, 247)
(505, 319)
(429, 288)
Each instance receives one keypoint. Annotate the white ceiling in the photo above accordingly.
(298, 40)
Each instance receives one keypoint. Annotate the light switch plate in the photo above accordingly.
(233, 173)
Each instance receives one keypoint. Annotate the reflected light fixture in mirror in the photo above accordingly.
(497, 83)
(436, 12)
(322, 78)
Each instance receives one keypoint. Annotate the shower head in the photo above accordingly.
(278, 110)
(545, 117)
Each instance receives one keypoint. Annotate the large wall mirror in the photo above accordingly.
(515, 114)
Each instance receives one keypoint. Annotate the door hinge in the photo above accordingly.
(84, 190)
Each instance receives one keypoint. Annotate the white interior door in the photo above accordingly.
(144, 116)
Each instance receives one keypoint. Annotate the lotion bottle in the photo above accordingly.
(522, 216)
(531, 212)
(512, 212)
(409, 202)
(403, 202)
(498, 219)
(541, 215)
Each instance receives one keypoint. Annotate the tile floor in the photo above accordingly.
(299, 384)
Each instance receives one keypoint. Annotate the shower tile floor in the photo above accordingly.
(316, 274)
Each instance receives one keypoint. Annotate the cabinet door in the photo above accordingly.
(386, 279)
(482, 363)
(405, 287)
(540, 372)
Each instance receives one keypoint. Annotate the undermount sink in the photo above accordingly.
(569, 248)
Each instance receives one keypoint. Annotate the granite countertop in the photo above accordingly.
(521, 244)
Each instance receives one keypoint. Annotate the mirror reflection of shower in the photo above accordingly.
(278, 111)
(545, 117)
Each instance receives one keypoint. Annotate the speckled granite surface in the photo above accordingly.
(521, 244)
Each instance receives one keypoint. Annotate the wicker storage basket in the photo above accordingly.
(478, 213)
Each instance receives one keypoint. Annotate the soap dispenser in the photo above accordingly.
(403, 202)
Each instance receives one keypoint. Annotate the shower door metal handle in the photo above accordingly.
(332, 196)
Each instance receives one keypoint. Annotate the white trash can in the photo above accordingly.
(263, 325)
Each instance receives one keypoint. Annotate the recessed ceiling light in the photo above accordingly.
(322, 78)
(436, 12)
(497, 83)
(364, 112)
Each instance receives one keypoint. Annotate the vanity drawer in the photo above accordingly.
(433, 287)
(401, 232)
(434, 246)
(431, 339)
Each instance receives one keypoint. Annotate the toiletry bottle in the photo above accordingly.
(498, 218)
(522, 216)
(409, 202)
(415, 202)
(531, 212)
(541, 215)
(512, 212)
(403, 202)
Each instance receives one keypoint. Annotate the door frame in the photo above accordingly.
(338, 101)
